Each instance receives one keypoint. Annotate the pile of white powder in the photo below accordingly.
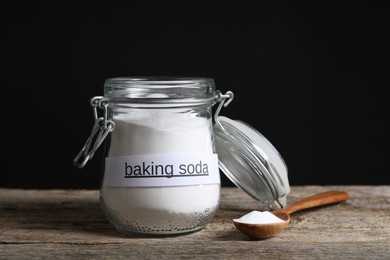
(259, 217)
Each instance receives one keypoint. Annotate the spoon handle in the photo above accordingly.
(323, 198)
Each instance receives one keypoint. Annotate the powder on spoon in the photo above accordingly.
(259, 217)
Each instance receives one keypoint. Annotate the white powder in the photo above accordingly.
(259, 217)
(165, 209)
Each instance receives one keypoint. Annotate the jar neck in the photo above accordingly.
(161, 103)
(161, 91)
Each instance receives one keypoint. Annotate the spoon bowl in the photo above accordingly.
(263, 230)
(266, 230)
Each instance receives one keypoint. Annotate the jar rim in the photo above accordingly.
(161, 89)
(159, 80)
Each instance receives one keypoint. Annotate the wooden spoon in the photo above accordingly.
(258, 231)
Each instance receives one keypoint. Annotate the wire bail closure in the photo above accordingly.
(100, 130)
(222, 98)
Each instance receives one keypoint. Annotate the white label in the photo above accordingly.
(161, 170)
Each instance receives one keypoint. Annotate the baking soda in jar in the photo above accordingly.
(171, 181)
(160, 173)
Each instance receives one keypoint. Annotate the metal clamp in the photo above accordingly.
(222, 98)
(101, 128)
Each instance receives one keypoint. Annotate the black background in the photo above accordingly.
(310, 77)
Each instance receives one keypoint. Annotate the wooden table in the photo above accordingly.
(68, 224)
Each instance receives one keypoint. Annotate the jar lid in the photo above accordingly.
(251, 162)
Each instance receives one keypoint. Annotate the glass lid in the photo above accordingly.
(251, 162)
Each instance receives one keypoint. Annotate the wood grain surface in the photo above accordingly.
(68, 224)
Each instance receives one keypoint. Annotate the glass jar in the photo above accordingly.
(161, 172)
(161, 168)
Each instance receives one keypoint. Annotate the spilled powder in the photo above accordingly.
(259, 217)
